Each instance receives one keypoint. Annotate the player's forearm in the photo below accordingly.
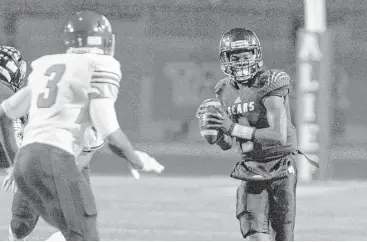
(262, 136)
(269, 136)
(225, 142)
(121, 146)
(7, 138)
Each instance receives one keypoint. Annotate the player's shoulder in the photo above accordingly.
(105, 63)
(272, 79)
(106, 69)
(42, 59)
(47, 60)
(222, 85)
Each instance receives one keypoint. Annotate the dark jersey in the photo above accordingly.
(6, 92)
(248, 102)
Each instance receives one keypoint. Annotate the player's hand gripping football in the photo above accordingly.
(219, 120)
(149, 164)
(202, 108)
(9, 182)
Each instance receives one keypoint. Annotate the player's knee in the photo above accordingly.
(241, 200)
(253, 231)
(20, 229)
(284, 231)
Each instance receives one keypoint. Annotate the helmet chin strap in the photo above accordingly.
(242, 82)
(244, 79)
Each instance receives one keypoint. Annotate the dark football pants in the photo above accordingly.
(25, 215)
(50, 182)
(266, 205)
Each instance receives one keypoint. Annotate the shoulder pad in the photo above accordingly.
(271, 80)
(219, 87)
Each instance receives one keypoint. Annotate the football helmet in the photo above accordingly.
(240, 54)
(89, 32)
(13, 67)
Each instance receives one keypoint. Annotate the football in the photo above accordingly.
(209, 134)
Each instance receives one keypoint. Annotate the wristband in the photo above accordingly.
(242, 132)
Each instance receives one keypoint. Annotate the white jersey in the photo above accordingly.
(58, 94)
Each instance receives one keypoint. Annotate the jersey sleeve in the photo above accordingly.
(18, 104)
(277, 83)
(106, 77)
(220, 93)
(92, 140)
(219, 87)
(103, 116)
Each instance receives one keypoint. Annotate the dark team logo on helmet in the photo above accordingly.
(240, 54)
(89, 32)
(13, 68)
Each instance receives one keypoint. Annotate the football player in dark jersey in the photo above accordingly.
(12, 72)
(255, 117)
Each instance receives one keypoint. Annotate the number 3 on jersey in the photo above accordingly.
(48, 97)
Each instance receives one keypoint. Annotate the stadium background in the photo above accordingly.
(169, 56)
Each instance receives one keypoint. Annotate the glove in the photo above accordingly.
(149, 164)
(9, 181)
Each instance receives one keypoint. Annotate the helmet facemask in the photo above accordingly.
(242, 64)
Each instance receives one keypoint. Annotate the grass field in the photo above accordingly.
(184, 208)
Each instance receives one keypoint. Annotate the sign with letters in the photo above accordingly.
(312, 99)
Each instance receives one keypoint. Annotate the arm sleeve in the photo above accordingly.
(18, 104)
(103, 115)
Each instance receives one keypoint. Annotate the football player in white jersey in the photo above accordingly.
(65, 94)
(24, 215)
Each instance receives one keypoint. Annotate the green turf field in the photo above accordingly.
(165, 208)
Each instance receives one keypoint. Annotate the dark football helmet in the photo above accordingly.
(89, 32)
(13, 67)
(240, 54)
